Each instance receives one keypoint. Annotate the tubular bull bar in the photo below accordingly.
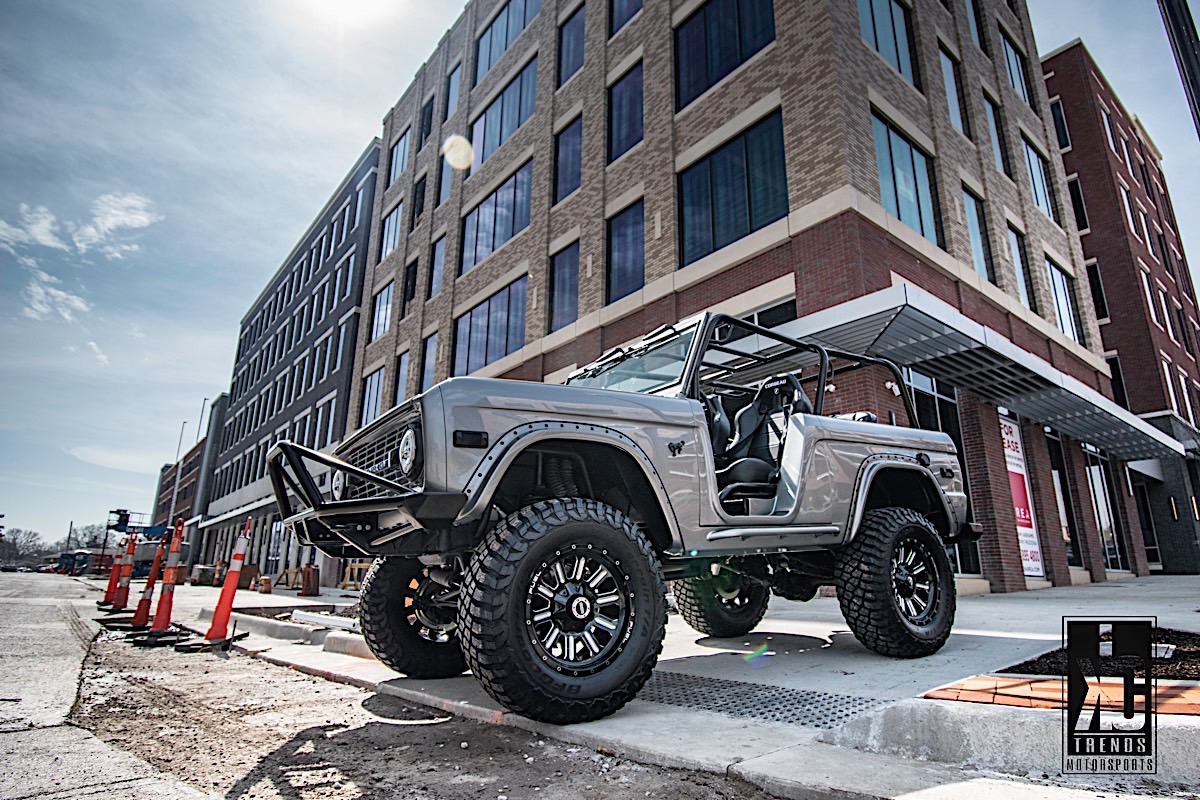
(365, 523)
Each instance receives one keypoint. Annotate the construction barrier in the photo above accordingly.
(159, 633)
(354, 573)
(111, 591)
(121, 598)
(310, 583)
(290, 578)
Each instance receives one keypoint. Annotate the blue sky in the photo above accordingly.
(159, 159)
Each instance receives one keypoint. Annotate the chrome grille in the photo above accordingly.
(377, 453)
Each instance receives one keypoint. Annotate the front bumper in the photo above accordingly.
(369, 526)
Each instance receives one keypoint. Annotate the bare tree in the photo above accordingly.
(20, 544)
(89, 535)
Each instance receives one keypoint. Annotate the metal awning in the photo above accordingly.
(917, 330)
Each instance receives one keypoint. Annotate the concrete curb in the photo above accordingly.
(1003, 738)
(271, 628)
(350, 644)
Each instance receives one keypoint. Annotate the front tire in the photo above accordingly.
(564, 611)
(895, 584)
(723, 605)
(408, 620)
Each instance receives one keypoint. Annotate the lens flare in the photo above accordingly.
(457, 151)
(756, 655)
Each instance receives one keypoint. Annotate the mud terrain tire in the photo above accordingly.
(722, 605)
(563, 611)
(895, 585)
(397, 604)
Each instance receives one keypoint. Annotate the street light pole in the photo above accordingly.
(178, 472)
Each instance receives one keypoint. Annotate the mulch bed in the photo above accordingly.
(1184, 664)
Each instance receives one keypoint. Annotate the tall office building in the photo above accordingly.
(1140, 289)
(292, 376)
(878, 175)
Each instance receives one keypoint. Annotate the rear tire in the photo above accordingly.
(722, 605)
(895, 584)
(409, 621)
(564, 611)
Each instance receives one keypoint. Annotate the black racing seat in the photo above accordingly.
(751, 467)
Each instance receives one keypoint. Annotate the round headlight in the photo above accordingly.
(339, 484)
(407, 451)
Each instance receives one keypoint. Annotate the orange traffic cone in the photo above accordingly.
(159, 635)
(111, 591)
(220, 622)
(142, 615)
(121, 597)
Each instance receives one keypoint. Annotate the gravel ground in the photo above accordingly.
(1184, 664)
(241, 728)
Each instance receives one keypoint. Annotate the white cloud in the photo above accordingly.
(121, 459)
(111, 213)
(38, 227)
(44, 299)
(98, 353)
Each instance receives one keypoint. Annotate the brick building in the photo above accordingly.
(183, 502)
(292, 375)
(1140, 289)
(878, 175)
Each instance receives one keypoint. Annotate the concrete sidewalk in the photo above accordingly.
(800, 708)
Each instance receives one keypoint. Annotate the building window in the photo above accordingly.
(390, 239)
(490, 330)
(426, 123)
(1148, 293)
(502, 32)
(1166, 313)
(504, 115)
(1018, 77)
(717, 39)
(402, 378)
(453, 81)
(570, 46)
(996, 128)
(905, 182)
(372, 397)
(501, 216)
(620, 12)
(428, 362)
(1039, 180)
(1081, 217)
(981, 248)
(382, 315)
(1125, 201)
(886, 26)
(409, 289)
(1166, 366)
(1060, 124)
(1146, 517)
(1112, 134)
(954, 96)
(1102, 487)
(1064, 301)
(1145, 230)
(360, 204)
(1099, 301)
(739, 188)
(418, 203)
(1187, 397)
(564, 287)
(626, 253)
(625, 113)
(1118, 382)
(568, 159)
(398, 163)
(445, 180)
(975, 23)
(437, 263)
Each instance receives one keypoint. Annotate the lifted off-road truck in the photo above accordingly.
(525, 531)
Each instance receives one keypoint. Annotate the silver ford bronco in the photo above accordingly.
(525, 531)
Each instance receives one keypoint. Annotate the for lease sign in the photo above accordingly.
(1018, 483)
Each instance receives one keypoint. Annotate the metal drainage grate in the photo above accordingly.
(755, 701)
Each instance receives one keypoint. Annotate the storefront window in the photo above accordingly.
(937, 410)
(1149, 535)
(1104, 501)
(1062, 494)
